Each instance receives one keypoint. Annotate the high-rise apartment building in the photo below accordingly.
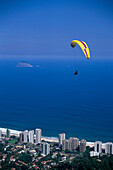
(83, 145)
(21, 137)
(61, 138)
(45, 148)
(31, 136)
(98, 146)
(66, 145)
(7, 133)
(38, 136)
(26, 136)
(109, 148)
(74, 143)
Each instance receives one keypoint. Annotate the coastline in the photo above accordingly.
(13, 132)
(45, 138)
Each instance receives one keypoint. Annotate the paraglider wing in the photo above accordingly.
(83, 46)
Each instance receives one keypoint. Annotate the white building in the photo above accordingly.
(98, 146)
(45, 148)
(61, 138)
(109, 148)
(26, 136)
(93, 153)
(38, 136)
(31, 136)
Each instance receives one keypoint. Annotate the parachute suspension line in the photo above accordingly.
(75, 60)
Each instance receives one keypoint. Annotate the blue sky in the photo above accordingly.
(46, 28)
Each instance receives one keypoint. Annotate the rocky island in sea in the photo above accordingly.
(24, 64)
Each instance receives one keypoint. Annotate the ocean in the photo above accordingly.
(50, 97)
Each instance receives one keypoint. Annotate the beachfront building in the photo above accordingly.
(21, 137)
(61, 138)
(31, 136)
(98, 146)
(74, 143)
(66, 145)
(7, 133)
(83, 145)
(38, 136)
(109, 148)
(70, 144)
(26, 136)
(45, 148)
(0, 134)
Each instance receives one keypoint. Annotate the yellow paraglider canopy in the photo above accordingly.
(83, 46)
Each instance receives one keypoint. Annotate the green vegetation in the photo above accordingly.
(67, 151)
(7, 165)
(87, 163)
(25, 158)
(13, 140)
(1, 147)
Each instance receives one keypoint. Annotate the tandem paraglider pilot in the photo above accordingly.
(76, 72)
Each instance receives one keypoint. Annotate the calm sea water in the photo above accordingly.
(52, 98)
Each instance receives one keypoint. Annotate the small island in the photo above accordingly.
(23, 64)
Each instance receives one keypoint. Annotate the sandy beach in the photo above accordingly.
(12, 132)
